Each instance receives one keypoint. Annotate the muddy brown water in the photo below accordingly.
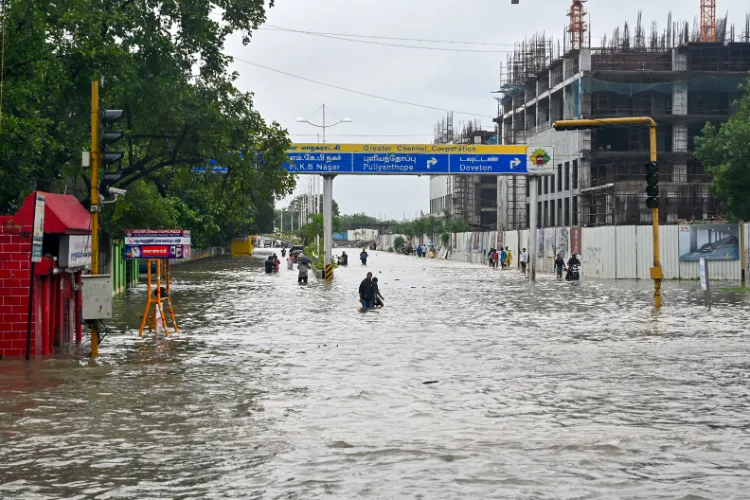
(274, 390)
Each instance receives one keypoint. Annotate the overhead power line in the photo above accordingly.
(393, 38)
(360, 39)
(365, 94)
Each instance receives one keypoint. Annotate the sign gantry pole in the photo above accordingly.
(328, 225)
(533, 231)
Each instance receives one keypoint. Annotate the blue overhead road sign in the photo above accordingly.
(400, 163)
(488, 164)
(418, 159)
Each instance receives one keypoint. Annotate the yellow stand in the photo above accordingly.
(157, 300)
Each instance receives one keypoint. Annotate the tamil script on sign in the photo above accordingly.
(419, 159)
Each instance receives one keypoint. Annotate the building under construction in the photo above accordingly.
(472, 198)
(685, 76)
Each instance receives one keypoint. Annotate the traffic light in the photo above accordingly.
(108, 117)
(652, 185)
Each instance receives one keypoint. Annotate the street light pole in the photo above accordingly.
(327, 201)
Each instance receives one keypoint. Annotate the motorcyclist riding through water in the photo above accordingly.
(573, 264)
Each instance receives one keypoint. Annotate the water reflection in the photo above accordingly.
(276, 390)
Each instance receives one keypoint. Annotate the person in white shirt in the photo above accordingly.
(524, 259)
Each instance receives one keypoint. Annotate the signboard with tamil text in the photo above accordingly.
(38, 229)
(419, 159)
(75, 251)
(157, 244)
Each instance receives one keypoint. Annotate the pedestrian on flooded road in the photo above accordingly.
(503, 258)
(363, 257)
(377, 299)
(491, 257)
(303, 266)
(508, 257)
(366, 291)
(559, 266)
(524, 260)
(269, 264)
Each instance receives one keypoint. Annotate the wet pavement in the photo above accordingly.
(274, 390)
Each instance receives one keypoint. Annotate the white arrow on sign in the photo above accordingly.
(432, 161)
(514, 163)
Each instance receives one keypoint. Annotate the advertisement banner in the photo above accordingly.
(575, 240)
(157, 251)
(157, 237)
(75, 251)
(562, 237)
(710, 242)
(38, 234)
(157, 244)
(499, 239)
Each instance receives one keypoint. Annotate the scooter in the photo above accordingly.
(574, 273)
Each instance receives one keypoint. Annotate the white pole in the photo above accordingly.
(499, 203)
(532, 225)
(328, 217)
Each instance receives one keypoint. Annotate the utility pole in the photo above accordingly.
(533, 230)
(95, 164)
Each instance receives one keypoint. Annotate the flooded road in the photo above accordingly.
(278, 391)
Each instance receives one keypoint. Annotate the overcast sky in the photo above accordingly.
(451, 80)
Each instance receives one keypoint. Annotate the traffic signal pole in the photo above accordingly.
(95, 163)
(656, 271)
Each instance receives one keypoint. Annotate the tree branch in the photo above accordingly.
(156, 167)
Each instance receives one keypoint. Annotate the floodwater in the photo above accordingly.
(273, 390)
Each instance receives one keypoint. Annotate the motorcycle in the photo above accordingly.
(574, 273)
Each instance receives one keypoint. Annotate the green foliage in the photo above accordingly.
(725, 153)
(164, 63)
(445, 239)
(399, 243)
(309, 232)
(360, 221)
(458, 226)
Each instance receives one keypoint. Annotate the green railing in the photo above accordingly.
(124, 272)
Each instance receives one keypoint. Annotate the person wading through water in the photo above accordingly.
(366, 292)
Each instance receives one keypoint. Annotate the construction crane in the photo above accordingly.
(708, 21)
(578, 26)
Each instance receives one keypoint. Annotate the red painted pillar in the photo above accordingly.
(69, 312)
(60, 292)
(45, 314)
(38, 315)
(54, 293)
(78, 319)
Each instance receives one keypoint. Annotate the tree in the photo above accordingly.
(399, 243)
(163, 62)
(310, 231)
(359, 221)
(458, 226)
(725, 153)
(445, 239)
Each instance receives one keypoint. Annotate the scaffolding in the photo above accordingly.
(637, 70)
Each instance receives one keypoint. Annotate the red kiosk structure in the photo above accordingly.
(56, 303)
